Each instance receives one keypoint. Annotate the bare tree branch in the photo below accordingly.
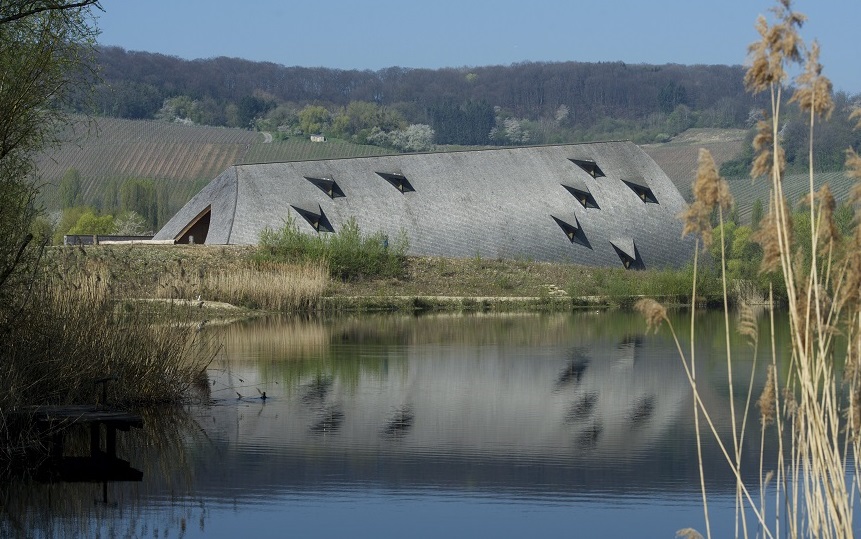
(42, 7)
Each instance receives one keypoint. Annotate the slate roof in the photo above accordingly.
(496, 203)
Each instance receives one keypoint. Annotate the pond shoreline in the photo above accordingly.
(468, 304)
(185, 276)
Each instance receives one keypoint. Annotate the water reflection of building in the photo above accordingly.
(566, 405)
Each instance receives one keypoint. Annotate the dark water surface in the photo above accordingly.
(555, 425)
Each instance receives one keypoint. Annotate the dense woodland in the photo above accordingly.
(551, 101)
(136, 84)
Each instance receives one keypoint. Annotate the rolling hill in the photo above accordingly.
(187, 157)
(183, 157)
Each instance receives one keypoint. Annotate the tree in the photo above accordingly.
(47, 51)
(69, 189)
(130, 224)
(140, 196)
(671, 96)
(415, 138)
(110, 195)
(756, 214)
(312, 119)
(90, 223)
(68, 219)
(251, 108)
(469, 123)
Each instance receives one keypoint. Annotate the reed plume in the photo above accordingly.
(710, 192)
(767, 402)
(654, 312)
(804, 398)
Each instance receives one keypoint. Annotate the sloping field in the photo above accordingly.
(678, 158)
(746, 191)
(295, 149)
(188, 157)
(118, 149)
(184, 158)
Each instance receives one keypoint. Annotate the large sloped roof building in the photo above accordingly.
(600, 204)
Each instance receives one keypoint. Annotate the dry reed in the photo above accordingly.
(79, 334)
(275, 287)
(814, 409)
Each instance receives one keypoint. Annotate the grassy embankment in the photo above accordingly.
(241, 277)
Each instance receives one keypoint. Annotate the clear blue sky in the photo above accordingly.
(373, 34)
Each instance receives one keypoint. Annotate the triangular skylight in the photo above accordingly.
(582, 194)
(641, 188)
(327, 185)
(315, 217)
(571, 227)
(627, 252)
(398, 180)
(590, 166)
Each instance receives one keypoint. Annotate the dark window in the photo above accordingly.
(327, 185)
(572, 231)
(627, 252)
(641, 188)
(591, 167)
(399, 181)
(197, 229)
(583, 196)
(316, 218)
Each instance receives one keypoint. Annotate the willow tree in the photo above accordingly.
(47, 55)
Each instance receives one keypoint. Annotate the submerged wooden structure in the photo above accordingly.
(102, 464)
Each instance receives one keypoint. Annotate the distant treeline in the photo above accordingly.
(575, 94)
(412, 109)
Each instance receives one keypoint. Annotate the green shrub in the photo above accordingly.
(349, 255)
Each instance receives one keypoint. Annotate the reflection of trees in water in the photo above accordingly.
(290, 349)
(585, 386)
(453, 410)
(160, 450)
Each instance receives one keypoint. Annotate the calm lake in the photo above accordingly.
(485, 425)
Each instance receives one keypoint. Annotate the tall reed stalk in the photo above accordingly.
(813, 406)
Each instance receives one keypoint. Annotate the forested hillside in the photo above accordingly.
(553, 102)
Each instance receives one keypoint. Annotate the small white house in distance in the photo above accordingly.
(318, 138)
